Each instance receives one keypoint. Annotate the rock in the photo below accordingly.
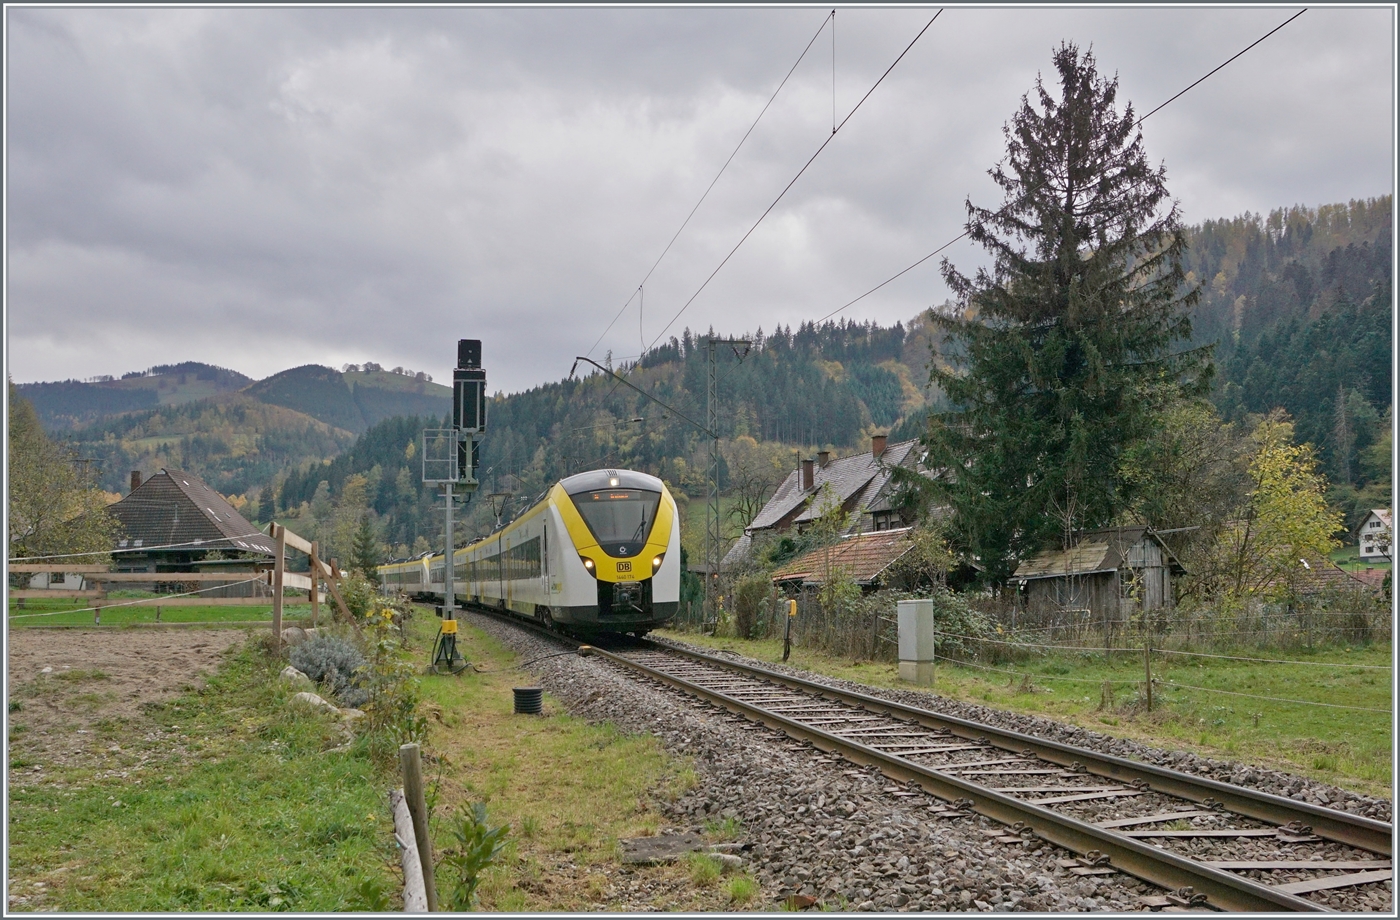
(663, 848)
(294, 636)
(350, 715)
(729, 860)
(46, 670)
(311, 701)
(291, 675)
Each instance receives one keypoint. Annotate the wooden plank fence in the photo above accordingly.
(278, 579)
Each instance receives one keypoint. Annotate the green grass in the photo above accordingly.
(251, 815)
(63, 612)
(569, 789)
(1348, 748)
(1349, 558)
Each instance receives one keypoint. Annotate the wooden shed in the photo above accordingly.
(1107, 573)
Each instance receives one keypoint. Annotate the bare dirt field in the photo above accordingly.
(70, 689)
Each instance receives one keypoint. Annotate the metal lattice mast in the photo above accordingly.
(713, 538)
(711, 611)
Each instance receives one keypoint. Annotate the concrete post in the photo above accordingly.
(916, 641)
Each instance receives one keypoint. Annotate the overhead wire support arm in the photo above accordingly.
(625, 382)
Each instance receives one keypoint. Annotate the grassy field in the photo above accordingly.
(220, 800)
(1346, 747)
(1349, 558)
(63, 612)
(569, 790)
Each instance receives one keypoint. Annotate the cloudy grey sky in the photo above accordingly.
(262, 188)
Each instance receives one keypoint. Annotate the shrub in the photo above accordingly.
(393, 690)
(334, 662)
(750, 592)
(477, 847)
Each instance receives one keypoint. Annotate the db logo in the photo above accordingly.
(624, 566)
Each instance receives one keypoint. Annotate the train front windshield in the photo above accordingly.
(618, 515)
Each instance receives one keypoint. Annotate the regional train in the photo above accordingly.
(599, 552)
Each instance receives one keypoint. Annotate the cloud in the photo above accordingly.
(264, 188)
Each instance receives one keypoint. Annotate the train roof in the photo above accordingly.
(610, 479)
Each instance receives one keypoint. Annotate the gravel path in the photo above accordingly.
(818, 826)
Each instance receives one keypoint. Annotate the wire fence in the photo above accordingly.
(994, 637)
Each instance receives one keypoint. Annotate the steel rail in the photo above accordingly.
(1159, 867)
(1223, 890)
(1353, 830)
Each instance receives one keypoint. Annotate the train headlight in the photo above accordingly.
(656, 562)
(588, 564)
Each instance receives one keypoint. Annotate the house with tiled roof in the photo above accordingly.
(174, 522)
(864, 558)
(863, 485)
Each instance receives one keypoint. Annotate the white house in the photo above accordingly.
(1374, 535)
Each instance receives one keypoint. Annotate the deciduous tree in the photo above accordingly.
(55, 507)
(1286, 525)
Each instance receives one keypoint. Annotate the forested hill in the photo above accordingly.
(1299, 303)
(817, 386)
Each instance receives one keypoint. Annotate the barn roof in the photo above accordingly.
(861, 558)
(1092, 552)
(177, 510)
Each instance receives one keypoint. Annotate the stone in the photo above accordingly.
(293, 636)
(291, 675)
(311, 701)
(350, 715)
(663, 848)
(729, 860)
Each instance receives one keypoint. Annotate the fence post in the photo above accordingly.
(279, 536)
(787, 628)
(1147, 663)
(315, 583)
(410, 762)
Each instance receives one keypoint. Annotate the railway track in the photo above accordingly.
(1209, 844)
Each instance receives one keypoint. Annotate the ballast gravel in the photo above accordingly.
(847, 836)
(1253, 777)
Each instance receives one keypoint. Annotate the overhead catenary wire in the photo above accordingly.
(1159, 108)
(830, 18)
(790, 184)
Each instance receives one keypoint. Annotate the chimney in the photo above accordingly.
(823, 458)
(135, 480)
(877, 445)
(807, 475)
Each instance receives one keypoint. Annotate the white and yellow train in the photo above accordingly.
(600, 552)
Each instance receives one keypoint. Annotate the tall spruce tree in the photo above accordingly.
(1066, 350)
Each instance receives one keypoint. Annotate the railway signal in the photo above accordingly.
(451, 457)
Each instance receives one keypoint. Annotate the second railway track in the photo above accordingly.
(1208, 844)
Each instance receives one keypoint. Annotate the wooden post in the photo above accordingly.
(787, 628)
(279, 535)
(333, 582)
(1147, 663)
(410, 762)
(315, 583)
(415, 897)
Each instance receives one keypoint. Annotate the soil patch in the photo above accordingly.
(71, 689)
